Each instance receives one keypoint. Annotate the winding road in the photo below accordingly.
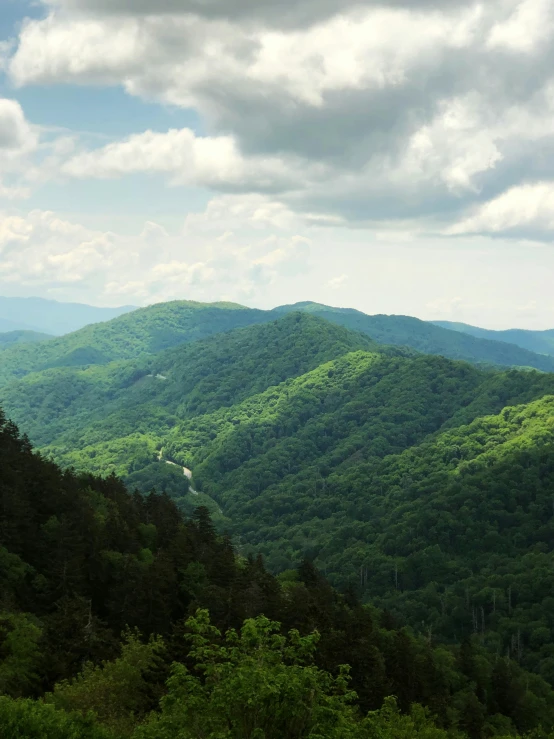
(186, 472)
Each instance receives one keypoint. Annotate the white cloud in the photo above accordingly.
(228, 213)
(29, 155)
(56, 50)
(522, 209)
(208, 161)
(16, 134)
(529, 25)
(42, 251)
(395, 112)
(337, 282)
(14, 193)
(214, 65)
(280, 13)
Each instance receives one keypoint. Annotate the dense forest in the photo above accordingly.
(484, 349)
(120, 618)
(419, 486)
(148, 331)
(10, 338)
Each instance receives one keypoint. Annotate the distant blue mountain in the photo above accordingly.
(540, 342)
(52, 317)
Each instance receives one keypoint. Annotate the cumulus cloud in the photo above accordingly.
(41, 251)
(19, 141)
(189, 159)
(283, 13)
(528, 26)
(521, 210)
(16, 133)
(410, 112)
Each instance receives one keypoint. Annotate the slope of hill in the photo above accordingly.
(22, 337)
(51, 316)
(427, 337)
(353, 465)
(426, 483)
(150, 330)
(372, 464)
(82, 559)
(540, 342)
(145, 398)
(144, 331)
(454, 533)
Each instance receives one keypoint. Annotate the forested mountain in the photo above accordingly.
(421, 484)
(143, 332)
(540, 342)
(51, 316)
(429, 338)
(148, 331)
(22, 337)
(133, 404)
(119, 618)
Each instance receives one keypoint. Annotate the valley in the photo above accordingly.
(421, 484)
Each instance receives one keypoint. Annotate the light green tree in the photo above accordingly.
(255, 684)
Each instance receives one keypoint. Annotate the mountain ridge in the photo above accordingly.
(427, 337)
(147, 331)
(22, 336)
(52, 316)
(540, 342)
(423, 483)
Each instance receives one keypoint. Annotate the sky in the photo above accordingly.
(395, 157)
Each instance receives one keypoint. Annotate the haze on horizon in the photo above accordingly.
(394, 157)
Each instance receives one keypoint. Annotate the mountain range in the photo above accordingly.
(540, 342)
(121, 619)
(50, 316)
(149, 330)
(423, 481)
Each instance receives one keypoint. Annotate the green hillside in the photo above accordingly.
(150, 330)
(428, 338)
(119, 619)
(21, 337)
(540, 342)
(71, 407)
(453, 534)
(425, 483)
(141, 332)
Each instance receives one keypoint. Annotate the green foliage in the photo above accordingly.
(148, 331)
(389, 723)
(422, 485)
(117, 691)
(23, 719)
(255, 683)
(139, 403)
(141, 332)
(90, 559)
(20, 654)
